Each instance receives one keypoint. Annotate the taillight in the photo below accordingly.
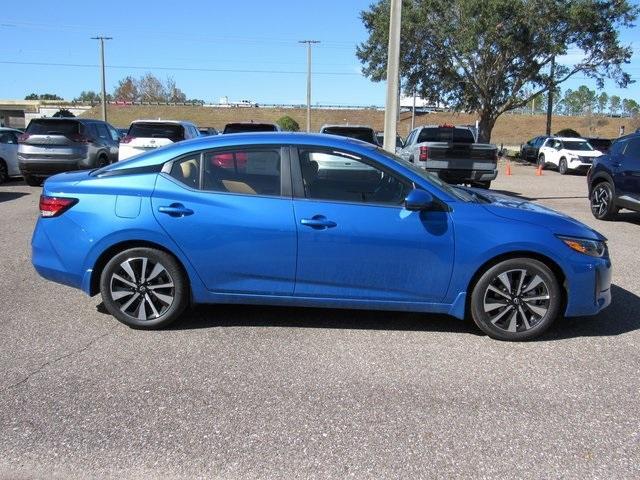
(55, 206)
(78, 138)
(424, 153)
(126, 139)
(23, 138)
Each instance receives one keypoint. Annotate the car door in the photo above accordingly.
(230, 211)
(355, 239)
(528, 149)
(9, 152)
(114, 144)
(629, 174)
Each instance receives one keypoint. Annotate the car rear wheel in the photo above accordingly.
(516, 299)
(4, 172)
(602, 201)
(562, 166)
(541, 161)
(144, 288)
(103, 161)
(32, 181)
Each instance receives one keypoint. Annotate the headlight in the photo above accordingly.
(593, 248)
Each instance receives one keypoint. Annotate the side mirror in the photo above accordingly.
(418, 200)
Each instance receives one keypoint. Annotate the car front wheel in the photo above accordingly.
(562, 166)
(144, 288)
(603, 202)
(516, 299)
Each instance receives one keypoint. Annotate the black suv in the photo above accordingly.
(531, 149)
(614, 179)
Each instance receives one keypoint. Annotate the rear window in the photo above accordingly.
(364, 134)
(53, 127)
(445, 134)
(172, 131)
(249, 127)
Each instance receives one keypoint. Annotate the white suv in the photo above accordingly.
(567, 153)
(145, 135)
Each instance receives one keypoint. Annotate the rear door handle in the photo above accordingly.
(318, 222)
(176, 210)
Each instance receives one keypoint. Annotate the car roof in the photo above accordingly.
(329, 125)
(571, 139)
(157, 120)
(251, 123)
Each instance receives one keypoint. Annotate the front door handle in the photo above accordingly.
(318, 222)
(176, 210)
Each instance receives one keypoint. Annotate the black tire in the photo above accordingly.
(507, 314)
(32, 181)
(541, 161)
(4, 171)
(103, 161)
(562, 166)
(602, 201)
(144, 300)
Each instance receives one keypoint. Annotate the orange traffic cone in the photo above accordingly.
(508, 171)
(539, 171)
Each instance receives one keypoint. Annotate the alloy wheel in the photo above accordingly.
(142, 288)
(600, 200)
(516, 300)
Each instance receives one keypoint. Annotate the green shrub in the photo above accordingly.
(288, 124)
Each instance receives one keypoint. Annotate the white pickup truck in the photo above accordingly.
(452, 154)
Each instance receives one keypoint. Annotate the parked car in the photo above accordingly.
(530, 150)
(53, 145)
(361, 132)
(567, 153)
(600, 144)
(122, 132)
(9, 153)
(207, 131)
(614, 179)
(280, 230)
(249, 127)
(451, 153)
(399, 141)
(145, 135)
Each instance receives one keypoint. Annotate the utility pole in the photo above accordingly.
(309, 43)
(413, 111)
(393, 76)
(552, 71)
(104, 92)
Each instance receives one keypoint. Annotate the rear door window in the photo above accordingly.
(40, 126)
(172, 131)
(103, 133)
(254, 171)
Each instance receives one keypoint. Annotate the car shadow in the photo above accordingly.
(619, 318)
(8, 196)
(629, 217)
(532, 199)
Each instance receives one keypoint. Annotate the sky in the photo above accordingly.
(243, 49)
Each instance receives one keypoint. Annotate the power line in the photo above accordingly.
(185, 69)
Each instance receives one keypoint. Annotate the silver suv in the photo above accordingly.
(53, 145)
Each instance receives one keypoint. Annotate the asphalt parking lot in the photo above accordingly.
(249, 392)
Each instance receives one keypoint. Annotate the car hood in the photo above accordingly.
(514, 208)
(582, 153)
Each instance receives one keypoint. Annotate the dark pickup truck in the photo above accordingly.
(452, 154)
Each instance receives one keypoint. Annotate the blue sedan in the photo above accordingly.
(311, 220)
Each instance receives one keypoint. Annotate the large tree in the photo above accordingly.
(484, 55)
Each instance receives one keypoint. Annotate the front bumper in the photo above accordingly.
(588, 286)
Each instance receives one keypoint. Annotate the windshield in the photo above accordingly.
(53, 127)
(249, 127)
(172, 131)
(455, 192)
(364, 134)
(580, 146)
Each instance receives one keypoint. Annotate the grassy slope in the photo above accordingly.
(509, 129)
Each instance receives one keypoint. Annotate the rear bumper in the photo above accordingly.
(48, 167)
(463, 176)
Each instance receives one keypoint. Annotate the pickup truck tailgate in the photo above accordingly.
(461, 156)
